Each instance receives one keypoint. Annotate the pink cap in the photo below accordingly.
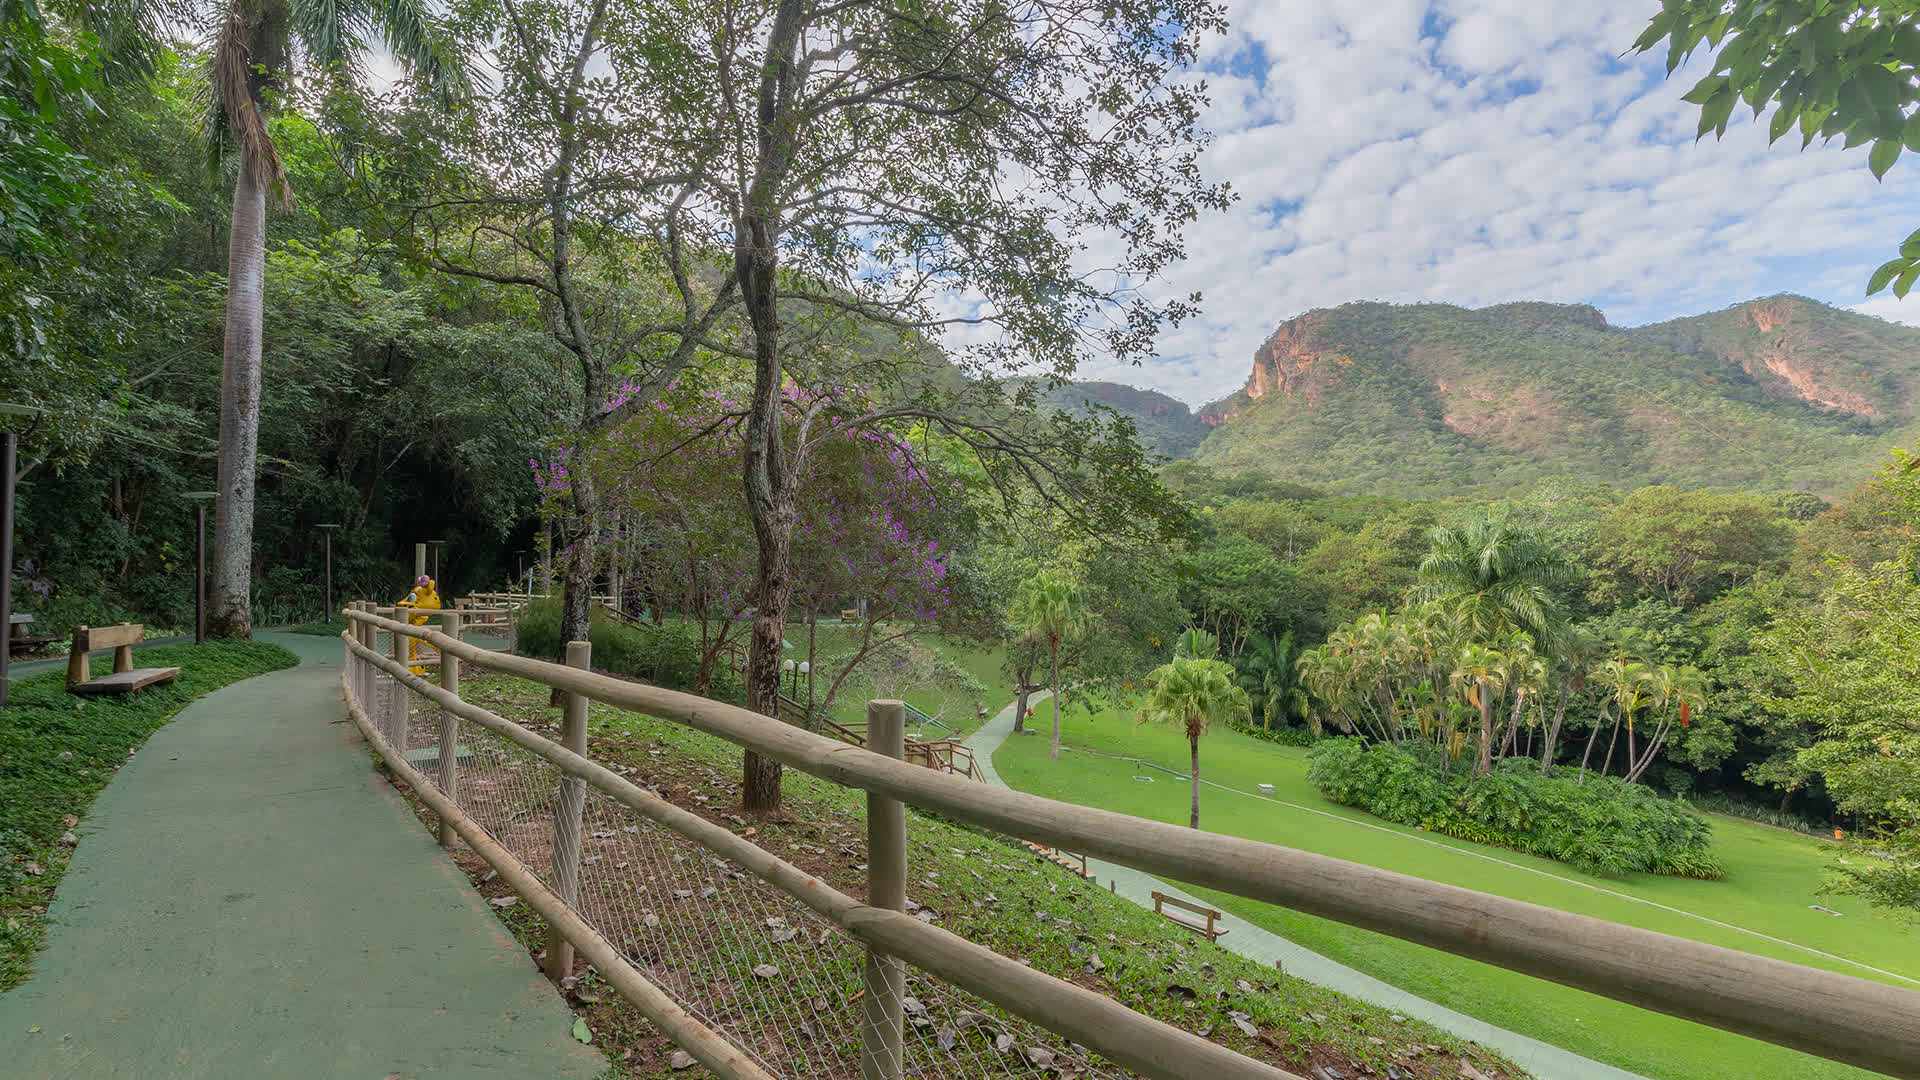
(423, 580)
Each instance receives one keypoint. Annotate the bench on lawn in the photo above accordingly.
(1205, 929)
(125, 678)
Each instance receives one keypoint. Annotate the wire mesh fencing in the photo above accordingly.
(775, 978)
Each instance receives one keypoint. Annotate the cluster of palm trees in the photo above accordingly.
(1480, 653)
(1194, 690)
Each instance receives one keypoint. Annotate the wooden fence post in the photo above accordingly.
(449, 727)
(397, 706)
(881, 1050)
(567, 815)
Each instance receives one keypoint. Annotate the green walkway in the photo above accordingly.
(249, 899)
(1258, 943)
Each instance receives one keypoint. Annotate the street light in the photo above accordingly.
(435, 546)
(200, 499)
(326, 615)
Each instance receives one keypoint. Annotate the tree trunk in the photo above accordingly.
(1553, 733)
(1054, 754)
(576, 603)
(1023, 685)
(1485, 764)
(230, 613)
(1612, 741)
(769, 480)
(1193, 742)
(1588, 755)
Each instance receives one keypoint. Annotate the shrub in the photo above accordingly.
(1604, 825)
(1285, 736)
(667, 655)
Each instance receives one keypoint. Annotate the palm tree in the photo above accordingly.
(1481, 673)
(1495, 578)
(1267, 666)
(1194, 692)
(250, 61)
(1049, 606)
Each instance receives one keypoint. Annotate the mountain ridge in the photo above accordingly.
(1781, 392)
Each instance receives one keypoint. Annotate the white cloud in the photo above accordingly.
(1516, 155)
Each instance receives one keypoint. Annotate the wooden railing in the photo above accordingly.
(1841, 1017)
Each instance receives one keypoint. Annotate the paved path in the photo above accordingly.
(249, 899)
(1543, 1060)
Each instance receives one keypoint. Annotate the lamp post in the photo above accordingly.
(200, 500)
(326, 616)
(793, 685)
(806, 669)
(435, 546)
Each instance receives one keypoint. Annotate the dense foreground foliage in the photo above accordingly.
(1602, 825)
(58, 751)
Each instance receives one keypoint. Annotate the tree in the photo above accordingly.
(250, 68)
(570, 187)
(1050, 607)
(1194, 692)
(1835, 68)
(1684, 545)
(1495, 578)
(858, 168)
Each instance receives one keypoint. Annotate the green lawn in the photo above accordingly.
(983, 662)
(1772, 878)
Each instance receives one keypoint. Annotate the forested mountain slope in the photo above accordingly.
(1430, 399)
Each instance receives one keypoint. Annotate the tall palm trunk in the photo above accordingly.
(1485, 765)
(1193, 742)
(1591, 735)
(1053, 646)
(1612, 741)
(1553, 733)
(232, 612)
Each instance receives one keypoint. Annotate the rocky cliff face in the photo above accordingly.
(1802, 370)
(1282, 364)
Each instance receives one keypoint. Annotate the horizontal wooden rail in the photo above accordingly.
(1092, 1020)
(703, 1043)
(1835, 1016)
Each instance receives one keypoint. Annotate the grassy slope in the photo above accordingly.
(983, 662)
(1772, 878)
(991, 892)
(40, 791)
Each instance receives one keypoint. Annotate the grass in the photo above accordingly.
(58, 751)
(1772, 879)
(320, 628)
(983, 662)
(991, 891)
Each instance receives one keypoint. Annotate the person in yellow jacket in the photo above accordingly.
(424, 597)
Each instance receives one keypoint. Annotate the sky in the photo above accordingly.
(1480, 151)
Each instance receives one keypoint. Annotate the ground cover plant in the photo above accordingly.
(1770, 902)
(58, 751)
(1598, 824)
(985, 888)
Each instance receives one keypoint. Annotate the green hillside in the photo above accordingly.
(1782, 393)
(1165, 424)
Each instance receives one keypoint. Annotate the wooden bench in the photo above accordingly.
(125, 678)
(1206, 929)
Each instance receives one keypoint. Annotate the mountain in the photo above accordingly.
(1431, 400)
(1164, 424)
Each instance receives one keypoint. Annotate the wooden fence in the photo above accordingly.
(1841, 1017)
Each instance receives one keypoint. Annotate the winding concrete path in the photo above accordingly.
(250, 899)
(1545, 1061)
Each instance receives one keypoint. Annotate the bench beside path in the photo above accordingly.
(251, 898)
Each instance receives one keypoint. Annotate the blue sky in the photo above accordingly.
(1479, 152)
